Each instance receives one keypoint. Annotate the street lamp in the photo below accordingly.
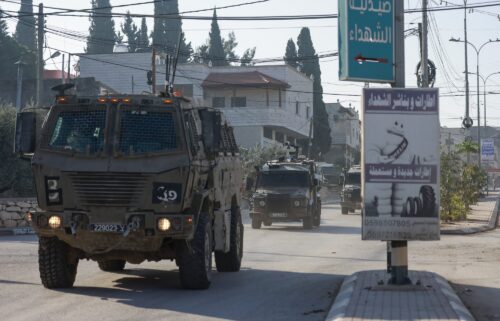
(54, 55)
(478, 51)
(485, 80)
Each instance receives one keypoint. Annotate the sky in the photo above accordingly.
(270, 38)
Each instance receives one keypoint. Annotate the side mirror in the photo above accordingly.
(25, 139)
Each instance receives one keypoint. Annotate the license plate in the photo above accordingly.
(278, 214)
(109, 228)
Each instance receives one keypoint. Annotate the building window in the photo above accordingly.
(268, 133)
(218, 102)
(308, 112)
(297, 107)
(238, 101)
(279, 97)
(186, 90)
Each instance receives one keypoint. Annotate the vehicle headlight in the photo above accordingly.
(53, 190)
(296, 203)
(262, 203)
(54, 222)
(163, 224)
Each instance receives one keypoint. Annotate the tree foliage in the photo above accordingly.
(167, 30)
(143, 37)
(16, 178)
(25, 33)
(291, 54)
(258, 156)
(216, 52)
(130, 31)
(247, 57)
(309, 65)
(102, 35)
(11, 52)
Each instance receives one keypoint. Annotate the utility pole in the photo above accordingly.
(311, 124)
(424, 62)
(68, 75)
(398, 255)
(62, 70)
(153, 68)
(39, 73)
(466, 63)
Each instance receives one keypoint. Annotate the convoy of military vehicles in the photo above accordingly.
(132, 178)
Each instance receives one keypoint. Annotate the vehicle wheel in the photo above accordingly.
(345, 210)
(195, 261)
(267, 223)
(231, 261)
(428, 200)
(410, 207)
(256, 223)
(317, 217)
(111, 265)
(307, 223)
(418, 206)
(57, 268)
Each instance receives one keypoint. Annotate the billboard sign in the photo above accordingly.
(366, 40)
(487, 149)
(400, 164)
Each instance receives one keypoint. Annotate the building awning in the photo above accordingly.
(253, 79)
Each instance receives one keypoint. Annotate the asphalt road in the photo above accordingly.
(287, 274)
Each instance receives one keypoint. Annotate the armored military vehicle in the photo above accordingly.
(286, 191)
(350, 196)
(131, 179)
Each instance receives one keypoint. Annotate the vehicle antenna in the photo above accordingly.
(175, 62)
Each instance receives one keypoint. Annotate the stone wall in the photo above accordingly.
(13, 211)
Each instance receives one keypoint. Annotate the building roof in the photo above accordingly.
(242, 79)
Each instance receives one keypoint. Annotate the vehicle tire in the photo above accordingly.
(428, 200)
(267, 223)
(195, 261)
(418, 206)
(345, 210)
(256, 223)
(410, 207)
(317, 217)
(111, 265)
(231, 261)
(307, 223)
(57, 269)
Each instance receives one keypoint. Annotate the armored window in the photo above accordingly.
(144, 131)
(79, 131)
(238, 101)
(218, 102)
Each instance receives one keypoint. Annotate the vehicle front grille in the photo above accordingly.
(278, 203)
(108, 189)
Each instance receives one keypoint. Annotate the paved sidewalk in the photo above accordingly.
(366, 296)
(483, 217)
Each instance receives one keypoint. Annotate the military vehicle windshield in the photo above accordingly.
(353, 179)
(79, 131)
(143, 131)
(282, 179)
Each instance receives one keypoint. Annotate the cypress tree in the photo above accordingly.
(291, 54)
(167, 28)
(130, 31)
(143, 38)
(25, 29)
(3, 27)
(216, 47)
(309, 65)
(102, 35)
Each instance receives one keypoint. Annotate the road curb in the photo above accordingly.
(16, 231)
(456, 304)
(491, 225)
(339, 307)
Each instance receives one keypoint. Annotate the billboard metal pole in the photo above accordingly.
(399, 249)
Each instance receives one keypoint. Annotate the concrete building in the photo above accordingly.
(265, 104)
(345, 131)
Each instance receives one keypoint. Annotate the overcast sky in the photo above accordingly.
(270, 38)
